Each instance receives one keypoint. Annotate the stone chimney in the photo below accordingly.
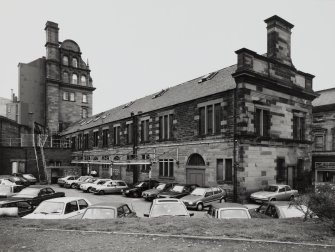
(279, 39)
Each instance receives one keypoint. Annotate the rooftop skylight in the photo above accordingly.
(207, 77)
(160, 93)
(128, 105)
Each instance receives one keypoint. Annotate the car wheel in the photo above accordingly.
(291, 198)
(89, 189)
(73, 186)
(200, 206)
(101, 192)
(135, 194)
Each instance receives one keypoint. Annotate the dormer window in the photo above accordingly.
(74, 62)
(65, 60)
(83, 80)
(207, 77)
(74, 79)
(66, 77)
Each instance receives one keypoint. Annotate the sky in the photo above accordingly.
(139, 47)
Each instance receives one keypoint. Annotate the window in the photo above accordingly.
(65, 77)
(145, 167)
(280, 170)
(84, 98)
(116, 134)
(74, 62)
(300, 168)
(84, 113)
(74, 79)
(82, 204)
(72, 97)
(80, 142)
(71, 207)
(73, 143)
(130, 133)
(83, 80)
(166, 168)
(165, 127)
(65, 60)
(262, 122)
(145, 131)
(319, 143)
(219, 169)
(298, 128)
(65, 96)
(95, 138)
(210, 117)
(229, 170)
(105, 138)
(85, 144)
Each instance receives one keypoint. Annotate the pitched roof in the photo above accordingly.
(184, 92)
(326, 97)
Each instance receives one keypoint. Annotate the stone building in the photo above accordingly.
(3, 103)
(244, 126)
(323, 133)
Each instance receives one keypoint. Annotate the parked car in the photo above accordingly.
(61, 181)
(88, 180)
(108, 210)
(36, 194)
(178, 191)
(74, 183)
(228, 211)
(60, 208)
(168, 207)
(25, 182)
(274, 192)
(138, 188)
(29, 177)
(15, 207)
(201, 197)
(8, 180)
(151, 194)
(86, 187)
(9, 190)
(94, 186)
(282, 210)
(113, 186)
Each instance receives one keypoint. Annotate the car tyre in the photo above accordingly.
(101, 192)
(73, 186)
(135, 194)
(200, 206)
(89, 189)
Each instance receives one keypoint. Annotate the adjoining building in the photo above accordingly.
(244, 126)
(3, 107)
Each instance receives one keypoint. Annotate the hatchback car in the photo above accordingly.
(86, 187)
(178, 191)
(108, 210)
(113, 186)
(139, 187)
(228, 211)
(60, 208)
(61, 181)
(168, 207)
(74, 183)
(151, 194)
(201, 197)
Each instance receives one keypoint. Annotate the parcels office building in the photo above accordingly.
(244, 126)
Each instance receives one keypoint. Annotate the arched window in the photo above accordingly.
(83, 80)
(74, 62)
(74, 79)
(196, 160)
(65, 60)
(66, 77)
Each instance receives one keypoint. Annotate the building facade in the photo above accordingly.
(244, 126)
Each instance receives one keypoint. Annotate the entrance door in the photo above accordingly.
(195, 176)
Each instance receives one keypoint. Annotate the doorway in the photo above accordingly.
(195, 170)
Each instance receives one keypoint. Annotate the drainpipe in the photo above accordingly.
(234, 147)
(135, 136)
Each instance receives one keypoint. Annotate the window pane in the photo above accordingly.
(170, 126)
(84, 98)
(65, 77)
(171, 168)
(219, 169)
(65, 61)
(161, 131)
(295, 127)
(202, 121)
(83, 80)
(258, 122)
(210, 119)
(217, 118)
(74, 79)
(166, 169)
(266, 123)
(166, 122)
(74, 62)
(71, 96)
(229, 170)
(147, 130)
(161, 164)
(281, 169)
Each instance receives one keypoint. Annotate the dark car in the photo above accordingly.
(138, 188)
(29, 177)
(151, 194)
(36, 194)
(25, 182)
(178, 191)
(16, 180)
(15, 207)
(108, 210)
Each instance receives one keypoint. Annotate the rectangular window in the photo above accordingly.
(166, 168)
(84, 98)
(95, 138)
(105, 138)
(319, 143)
(116, 134)
(229, 170)
(84, 113)
(65, 96)
(80, 142)
(73, 143)
(72, 97)
(145, 167)
(300, 168)
(280, 170)
(85, 140)
(210, 117)
(298, 128)
(165, 127)
(262, 122)
(219, 170)
(130, 133)
(145, 131)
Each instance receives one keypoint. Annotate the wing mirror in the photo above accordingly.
(146, 215)
(191, 214)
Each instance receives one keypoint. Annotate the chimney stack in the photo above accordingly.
(279, 39)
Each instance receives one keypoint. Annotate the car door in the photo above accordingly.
(120, 185)
(208, 197)
(281, 194)
(109, 187)
(120, 212)
(288, 192)
(24, 208)
(72, 210)
(218, 195)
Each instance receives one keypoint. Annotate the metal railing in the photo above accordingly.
(26, 140)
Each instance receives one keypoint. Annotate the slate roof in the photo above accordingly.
(184, 92)
(326, 97)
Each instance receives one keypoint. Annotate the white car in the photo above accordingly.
(113, 186)
(74, 183)
(7, 182)
(86, 187)
(60, 208)
(168, 207)
(61, 181)
(274, 193)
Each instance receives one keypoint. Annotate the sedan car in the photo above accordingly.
(5, 179)
(201, 197)
(60, 208)
(168, 207)
(138, 188)
(178, 191)
(107, 210)
(8, 181)
(86, 187)
(15, 207)
(113, 186)
(61, 181)
(36, 194)
(151, 194)
(228, 211)
(74, 183)
(274, 192)
(29, 177)
(9, 190)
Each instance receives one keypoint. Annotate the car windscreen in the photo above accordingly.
(198, 192)
(271, 189)
(28, 176)
(160, 186)
(177, 188)
(82, 178)
(234, 214)
(50, 208)
(291, 211)
(28, 193)
(100, 182)
(170, 209)
(99, 213)
(140, 184)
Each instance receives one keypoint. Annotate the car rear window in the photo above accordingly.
(234, 214)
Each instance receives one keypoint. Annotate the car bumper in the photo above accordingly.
(149, 197)
(67, 185)
(259, 200)
(190, 206)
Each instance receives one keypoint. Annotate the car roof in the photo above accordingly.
(163, 201)
(228, 205)
(107, 204)
(279, 203)
(278, 185)
(64, 199)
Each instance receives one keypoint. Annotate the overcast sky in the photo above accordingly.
(138, 47)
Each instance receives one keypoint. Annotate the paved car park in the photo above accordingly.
(139, 205)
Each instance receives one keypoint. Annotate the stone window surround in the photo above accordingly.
(206, 105)
(262, 108)
(319, 132)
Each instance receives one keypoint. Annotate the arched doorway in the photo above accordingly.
(195, 170)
